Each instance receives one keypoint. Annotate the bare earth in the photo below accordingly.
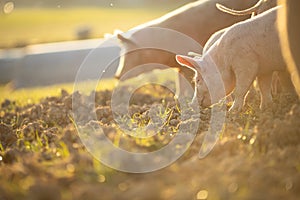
(42, 157)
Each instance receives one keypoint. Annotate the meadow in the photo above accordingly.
(43, 155)
(32, 25)
(25, 96)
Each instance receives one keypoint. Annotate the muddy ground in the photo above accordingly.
(42, 156)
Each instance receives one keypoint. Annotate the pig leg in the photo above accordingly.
(275, 84)
(264, 83)
(282, 83)
(286, 82)
(244, 79)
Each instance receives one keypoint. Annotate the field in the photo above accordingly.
(24, 96)
(42, 156)
(50, 142)
(28, 26)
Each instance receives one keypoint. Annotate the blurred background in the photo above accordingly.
(43, 42)
(35, 21)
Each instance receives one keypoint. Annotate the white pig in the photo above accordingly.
(289, 29)
(246, 50)
(197, 20)
(279, 78)
(259, 7)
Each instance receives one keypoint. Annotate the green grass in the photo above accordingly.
(25, 96)
(34, 95)
(27, 26)
(30, 26)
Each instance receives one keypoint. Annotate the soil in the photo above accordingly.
(42, 156)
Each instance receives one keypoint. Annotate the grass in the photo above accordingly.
(34, 95)
(32, 25)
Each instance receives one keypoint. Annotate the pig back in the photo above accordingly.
(259, 37)
(199, 20)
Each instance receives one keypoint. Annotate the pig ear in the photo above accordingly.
(186, 61)
(123, 38)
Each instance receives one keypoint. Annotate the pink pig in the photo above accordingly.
(246, 50)
(197, 20)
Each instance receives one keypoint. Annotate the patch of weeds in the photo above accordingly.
(1, 147)
(62, 150)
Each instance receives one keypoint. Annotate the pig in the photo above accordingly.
(209, 42)
(289, 29)
(245, 51)
(278, 79)
(197, 20)
(283, 78)
(259, 7)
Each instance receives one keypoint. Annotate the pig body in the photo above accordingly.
(213, 39)
(259, 7)
(197, 20)
(245, 51)
(283, 78)
(289, 29)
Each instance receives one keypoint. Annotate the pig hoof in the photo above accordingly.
(235, 109)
